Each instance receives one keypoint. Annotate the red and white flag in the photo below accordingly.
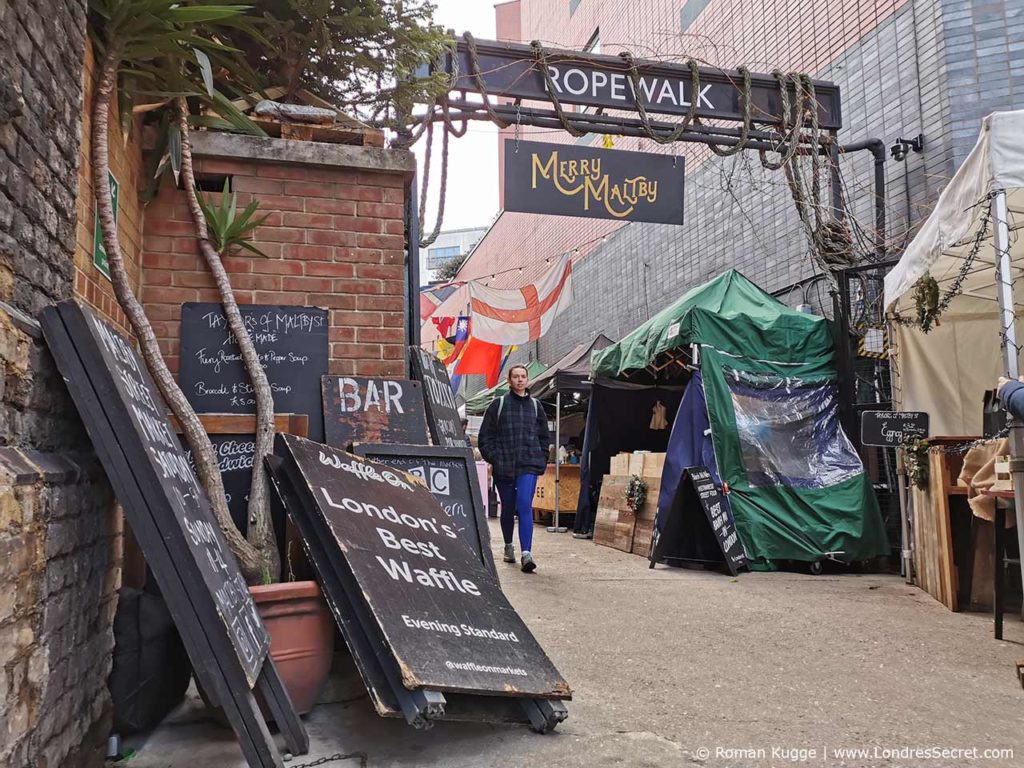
(524, 314)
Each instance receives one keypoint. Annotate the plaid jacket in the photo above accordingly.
(517, 442)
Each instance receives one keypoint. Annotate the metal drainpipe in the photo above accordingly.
(878, 151)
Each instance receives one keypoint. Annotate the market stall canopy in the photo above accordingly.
(571, 373)
(946, 371)
(478, 403)
(729, 313)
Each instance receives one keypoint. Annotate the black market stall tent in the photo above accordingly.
(760, 411)
(571, 373)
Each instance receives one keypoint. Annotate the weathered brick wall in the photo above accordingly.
(333, 238)
(58, 533)
(904, 67)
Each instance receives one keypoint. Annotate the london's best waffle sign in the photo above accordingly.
(596, 183)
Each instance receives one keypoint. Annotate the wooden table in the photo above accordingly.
(1004, 501)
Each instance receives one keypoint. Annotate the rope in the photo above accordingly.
(542, 63)
(747, 98)
(429, 240)
(478, 80)
(691, 117)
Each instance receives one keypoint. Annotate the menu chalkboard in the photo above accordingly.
(234, 457)
(442, 411)
(698, 527)
(450, 475)
(442, 614)
(126, 418)
(292, 345)
(373, 410)
(892, 429)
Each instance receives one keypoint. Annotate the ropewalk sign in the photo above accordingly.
(592, 182)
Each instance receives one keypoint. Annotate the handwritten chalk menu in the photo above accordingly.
(373, 410)
(291, 343)
(892, 429)
(441, 613)
(698, 527)
(234, 457)
(442, 411)
(450, 475)
(171, 517)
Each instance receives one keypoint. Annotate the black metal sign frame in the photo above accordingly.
(69, 332)
(594, 80)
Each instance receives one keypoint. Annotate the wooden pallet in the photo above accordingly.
(614, 522)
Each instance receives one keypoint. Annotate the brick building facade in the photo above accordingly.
(904, 67)
(334, 238)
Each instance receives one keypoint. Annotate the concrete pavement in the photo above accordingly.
(677, 667)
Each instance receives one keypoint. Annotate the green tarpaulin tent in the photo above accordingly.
(478, 403)
(796, 486)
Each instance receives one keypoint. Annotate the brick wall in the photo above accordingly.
(59, 538)
(903, 66)
(333, 239)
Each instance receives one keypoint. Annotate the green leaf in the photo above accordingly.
(206, 68)
(174, 149)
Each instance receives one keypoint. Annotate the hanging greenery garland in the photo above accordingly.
(926, 301)
(916, 457)
(636, 493)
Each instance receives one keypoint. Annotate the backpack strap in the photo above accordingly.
(501, 406)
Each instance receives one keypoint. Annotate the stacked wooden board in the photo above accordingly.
(616, 525)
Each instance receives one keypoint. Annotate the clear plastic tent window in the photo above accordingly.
(789, 431)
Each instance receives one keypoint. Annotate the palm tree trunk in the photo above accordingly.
(261, 530)
(202, 450)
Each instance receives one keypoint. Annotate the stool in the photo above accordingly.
(1002, 562)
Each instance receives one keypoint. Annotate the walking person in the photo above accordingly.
(514, 439)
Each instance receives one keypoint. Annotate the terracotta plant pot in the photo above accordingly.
(301, 637)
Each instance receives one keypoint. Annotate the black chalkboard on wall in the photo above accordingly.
(442, 412)
(291, 342)
(170, 515)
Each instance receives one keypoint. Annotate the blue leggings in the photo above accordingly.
(517, 500)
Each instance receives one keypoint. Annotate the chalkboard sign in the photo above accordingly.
(442, 614)
(698, 527)
(450, 474)
(892, 429)
(234, 457)
(442, 411)
(373, 410)
(291, 343)
(126, 418)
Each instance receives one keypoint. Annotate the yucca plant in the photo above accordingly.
(162, 49)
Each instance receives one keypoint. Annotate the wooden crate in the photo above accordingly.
(642, 534)
(649, 510)
(636, 464)
(614, 522)
(654, 463)
(619, 464)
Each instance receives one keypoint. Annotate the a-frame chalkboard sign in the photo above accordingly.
(698, 527)
(126, 418)
(449, 474)
(433, 636)
(442, 411)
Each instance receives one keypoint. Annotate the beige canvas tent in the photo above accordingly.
(971, 244)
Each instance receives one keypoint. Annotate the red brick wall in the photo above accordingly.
(802, 37)
(333, 239)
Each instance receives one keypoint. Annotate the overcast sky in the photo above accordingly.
(472, 198)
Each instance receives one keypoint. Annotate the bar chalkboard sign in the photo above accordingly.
(450, 475)
(442, 615)
(442, 411)
(373, 410)
(170, 514)
(892, 429)
(698, 527)
(291, 342)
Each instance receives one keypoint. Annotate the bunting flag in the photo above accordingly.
(480, 357)
(461, 337)
(443, 325)
(524, 314)
(433, 296)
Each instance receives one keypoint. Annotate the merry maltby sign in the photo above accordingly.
(594, 183)
(441, 613)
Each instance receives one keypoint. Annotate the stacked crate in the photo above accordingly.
(616, 525)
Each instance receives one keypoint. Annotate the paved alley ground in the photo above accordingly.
(678, 667)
